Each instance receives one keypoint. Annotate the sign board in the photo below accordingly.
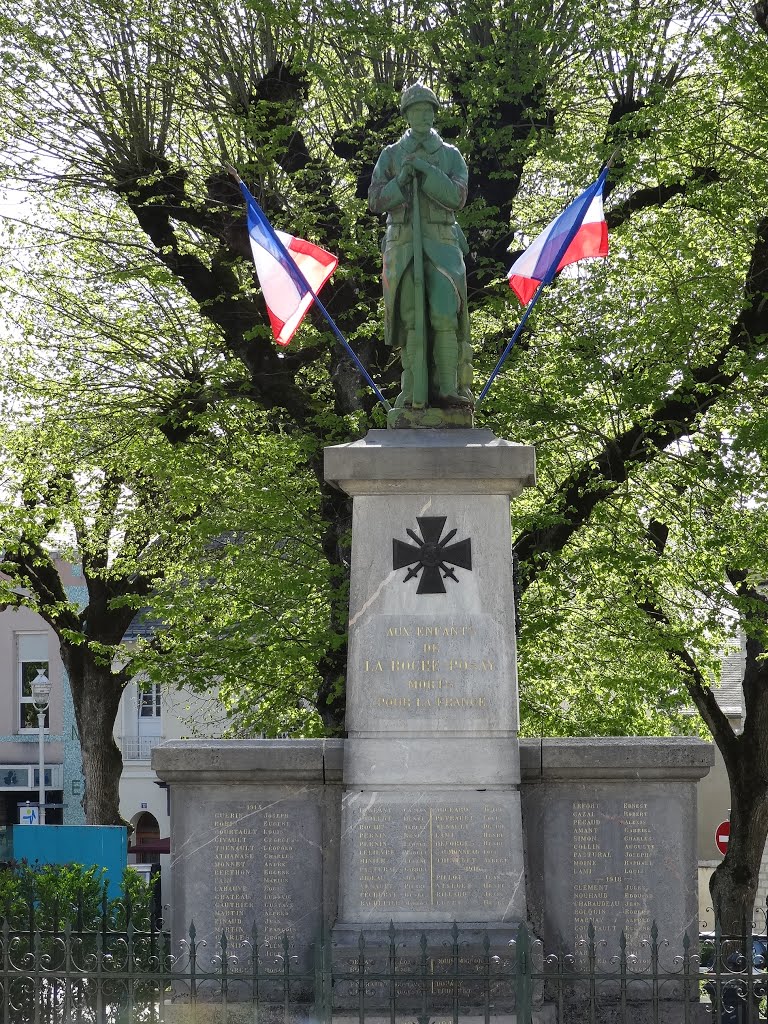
(29, 815)
(722, 835)
(103, 846)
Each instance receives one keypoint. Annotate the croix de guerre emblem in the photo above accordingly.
(431, 556)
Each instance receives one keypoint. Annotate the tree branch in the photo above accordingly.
(34, 569)
(677, 415)
(706, 704)
(657, 195)
(657, 534)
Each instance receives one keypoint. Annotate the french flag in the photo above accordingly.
(580, 231)
(291, 271)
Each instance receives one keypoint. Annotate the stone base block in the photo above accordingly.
(444, 419)
(446, 972)
(239, 1013)
(636, 1013)
(545, 1015)
(431, 855)
(639, 1013)
(380, 761)
(407, 936)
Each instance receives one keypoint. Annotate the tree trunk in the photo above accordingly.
(96, 692)
(734, 884)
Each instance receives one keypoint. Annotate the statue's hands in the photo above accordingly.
(412, 165)
(420, 164)
(405, 174)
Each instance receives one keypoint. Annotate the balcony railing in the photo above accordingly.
(138, 748)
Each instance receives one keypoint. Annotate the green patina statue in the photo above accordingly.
(419, 182)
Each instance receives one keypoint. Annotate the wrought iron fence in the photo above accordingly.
(109, 971)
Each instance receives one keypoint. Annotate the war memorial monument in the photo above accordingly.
(431, 811)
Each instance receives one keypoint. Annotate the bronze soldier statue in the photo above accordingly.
(419, 182)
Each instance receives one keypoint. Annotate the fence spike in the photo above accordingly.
(104, 909)
(31, 903)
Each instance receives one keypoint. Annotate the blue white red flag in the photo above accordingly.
(580, 231)
(290, 270)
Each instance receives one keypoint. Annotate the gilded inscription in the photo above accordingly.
(254, 854)
(431, 631)
(446, 856)
(438, 662)
(278, 852)
(232, 869)
(613, 851)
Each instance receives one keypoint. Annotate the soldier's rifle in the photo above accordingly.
(419, 357)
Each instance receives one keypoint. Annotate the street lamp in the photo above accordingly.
(41, 695)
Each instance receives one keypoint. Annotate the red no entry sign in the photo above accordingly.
(722, 835)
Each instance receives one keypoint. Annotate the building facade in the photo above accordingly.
(26, 646)
(148, 715)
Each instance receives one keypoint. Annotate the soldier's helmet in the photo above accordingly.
(417, 93)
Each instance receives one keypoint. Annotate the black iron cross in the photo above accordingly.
(432, 555)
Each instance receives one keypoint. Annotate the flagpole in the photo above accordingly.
(511, 342)
(339, 336)
(351, 352)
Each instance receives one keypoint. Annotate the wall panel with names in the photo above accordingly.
(618, 854)
(439, 857)
(262, 852)
(255, 862)
(613, 850)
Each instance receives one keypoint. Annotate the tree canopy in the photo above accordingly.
(135, 334)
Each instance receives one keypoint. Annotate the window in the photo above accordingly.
(149, 721)
(31, 655)
(149, 701)
(47, 776)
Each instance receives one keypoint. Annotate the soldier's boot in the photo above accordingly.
(418, 363)
(445, 354)
(406, 380)
(464, 372)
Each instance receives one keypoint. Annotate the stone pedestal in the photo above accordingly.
(254, 842)
(431, 827)
(415, 818)
(610, 829)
